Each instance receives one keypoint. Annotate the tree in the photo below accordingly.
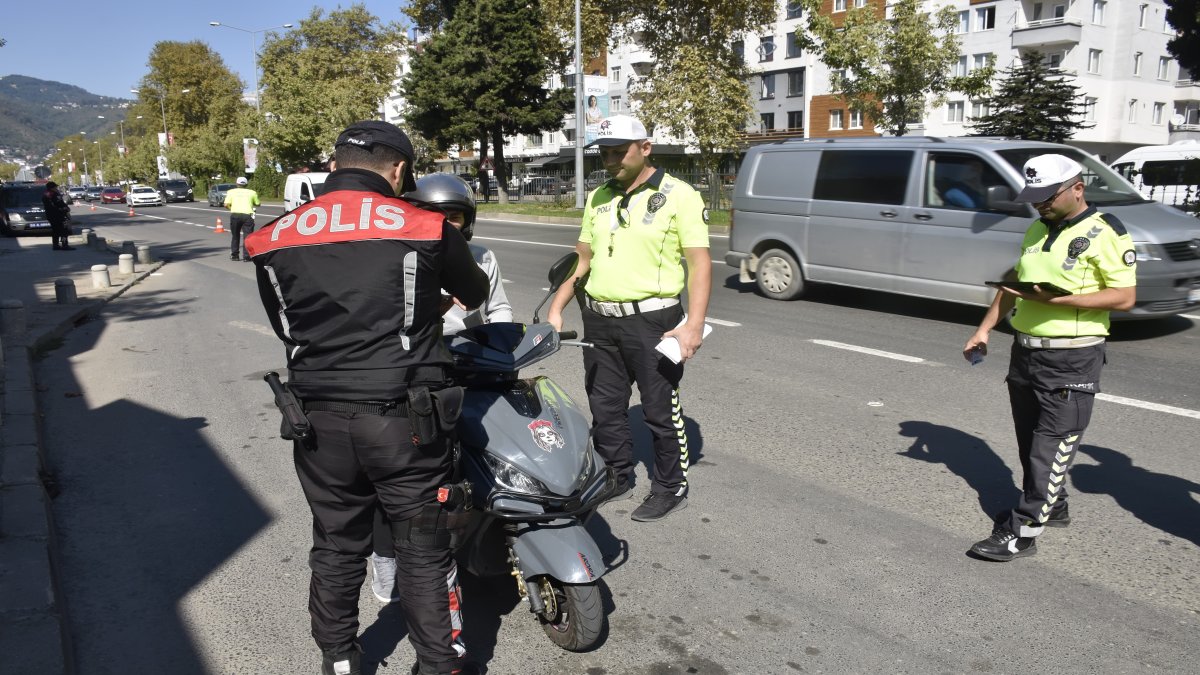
(322, 76)
(1184, 17)
(482, 77)
(1033, 102)
(892, 70)
(8, 170)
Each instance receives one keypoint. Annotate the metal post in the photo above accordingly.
(580, 132)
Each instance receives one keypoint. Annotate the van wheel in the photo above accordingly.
(779, 276)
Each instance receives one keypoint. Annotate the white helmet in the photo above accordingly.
(242, 180)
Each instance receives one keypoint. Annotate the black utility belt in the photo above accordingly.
(384, 408)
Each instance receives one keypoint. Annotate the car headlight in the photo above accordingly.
(170, 193)
(16, 218)
(1147, 251)
(511, 478)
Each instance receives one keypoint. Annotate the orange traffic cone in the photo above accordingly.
(93, 207)
(131, 210)
(220, 228)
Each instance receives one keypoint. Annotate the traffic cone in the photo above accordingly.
(220, 228)
(131, 210)
(93, 207)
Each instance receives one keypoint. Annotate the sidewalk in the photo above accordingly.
(33, 631)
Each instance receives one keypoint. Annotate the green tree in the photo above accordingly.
(1034, 102)
(8, 170)
(323, 75)
(892, 70)
(1184, 17)
(483, 77)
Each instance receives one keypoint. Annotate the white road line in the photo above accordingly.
(169, 220)
(521, 241)
(1157, 407)
(719, 322)
(868, 350)
(257, 328)
(1190, 316)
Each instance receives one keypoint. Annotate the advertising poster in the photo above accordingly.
(250, 153)
(595, 104)
(162, 167)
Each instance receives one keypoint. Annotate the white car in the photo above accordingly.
(143, 195)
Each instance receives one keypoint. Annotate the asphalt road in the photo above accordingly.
(835, 495)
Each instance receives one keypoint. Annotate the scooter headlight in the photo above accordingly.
(589, 466)
(510, 477)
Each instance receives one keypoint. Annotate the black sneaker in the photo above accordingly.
(1059, 517)
(1004, 545)
(346, 661)
(658, 505)
(622, 491)
(234, 258)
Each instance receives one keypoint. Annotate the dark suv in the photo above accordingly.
(21, 209)
(175, 191)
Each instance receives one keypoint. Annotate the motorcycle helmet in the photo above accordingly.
(446, 193)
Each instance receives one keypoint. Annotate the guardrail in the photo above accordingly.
(1056, 21)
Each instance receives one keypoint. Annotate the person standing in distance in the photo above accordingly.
(58, 213)
(635, 229)
(350, 282)
(1054, 370)
(241, 202)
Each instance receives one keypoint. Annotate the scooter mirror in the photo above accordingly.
(562, 270)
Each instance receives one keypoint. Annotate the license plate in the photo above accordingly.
(1194, 295)
(38, 225)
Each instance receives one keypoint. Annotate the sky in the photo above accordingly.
(103, 47)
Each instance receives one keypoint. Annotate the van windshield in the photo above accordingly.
(174, 184)
(18, 197)
(1102, 186)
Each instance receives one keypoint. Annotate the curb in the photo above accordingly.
(33, 614)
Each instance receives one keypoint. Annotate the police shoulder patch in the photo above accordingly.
(1115, 223)
(1130, 257)
(704, 215)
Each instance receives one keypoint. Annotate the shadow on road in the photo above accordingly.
(967, 457)
(643, 443)
(1168, 503)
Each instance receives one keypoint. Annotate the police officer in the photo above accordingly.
(350, 282)
(1054, 371)
(635, 229)
(58, 213)
(241, 202)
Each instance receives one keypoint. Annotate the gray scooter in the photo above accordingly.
(534, 476)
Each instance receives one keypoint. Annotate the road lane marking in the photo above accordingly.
(255, 327)
(169, 220)
(719, 322)
(1157, 407)
(522, 241)
(868, 350)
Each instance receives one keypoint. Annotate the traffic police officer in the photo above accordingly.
(635, 229)
(1054, 372)
(241, 202)
(350, 282)
(58, 213)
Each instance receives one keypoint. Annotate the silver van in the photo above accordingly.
(929, 217)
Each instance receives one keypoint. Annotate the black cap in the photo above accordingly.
(51, 185)
(368, 133)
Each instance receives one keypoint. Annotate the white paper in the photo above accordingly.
(669, 347)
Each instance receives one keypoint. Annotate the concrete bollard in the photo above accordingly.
(89, 237)
(128, 247)
(100, 276)
(143, 255)
(100, 244)
(125, 263)
(12, 318)
(64, 292)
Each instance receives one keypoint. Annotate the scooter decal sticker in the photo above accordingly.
(545, 435)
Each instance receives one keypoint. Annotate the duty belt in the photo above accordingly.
(1034, 342)
(384, 408)
(620, 309)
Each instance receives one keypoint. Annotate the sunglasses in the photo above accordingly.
(1061, 190)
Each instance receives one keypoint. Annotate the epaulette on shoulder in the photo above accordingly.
(1115, 223)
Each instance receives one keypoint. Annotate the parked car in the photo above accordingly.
(301, 188)
(879, 213)
(77, 192)
(112, 195)
(545, 185)
(216, 193)
(595, 179)
(21, 209)
(1165, 173)
(175, 190)
(143, 195)
(93, 192)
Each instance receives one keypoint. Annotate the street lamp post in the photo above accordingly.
(254, 61)
(100, 154)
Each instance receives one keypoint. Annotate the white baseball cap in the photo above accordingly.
(242, 180)
(619, 130)
(1044, 174)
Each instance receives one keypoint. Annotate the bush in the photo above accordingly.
(267, 182)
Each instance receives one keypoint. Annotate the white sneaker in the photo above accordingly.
(383, 578)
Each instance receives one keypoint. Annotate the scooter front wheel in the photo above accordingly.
(574, 615)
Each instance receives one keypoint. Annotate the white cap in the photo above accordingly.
(1044, 174)
(619, 130)
(242, 180)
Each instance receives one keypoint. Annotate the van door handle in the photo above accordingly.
(923, 216)
(888, 214)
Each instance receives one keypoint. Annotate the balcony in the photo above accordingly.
(1187, 90)
(1047, 32)
(757, 137)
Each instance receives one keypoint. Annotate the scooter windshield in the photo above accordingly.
(502, 347)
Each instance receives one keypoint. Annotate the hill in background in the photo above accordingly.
(34, 114)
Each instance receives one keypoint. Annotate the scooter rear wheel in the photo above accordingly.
(574, 617)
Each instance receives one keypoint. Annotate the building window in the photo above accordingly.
(1037, 12)
(767, 121)
(954, 111)
(1163, 63)
(856, 119)
(1166, 24)
(792, 47)
(569, 81)
(768, 86)
(960, 68)
(1142, 11)
(860, 3)
(616, 74)
(1089, 108)
(739, 51)
(1060, 11)
(835, 120)
(979, 109)
(795, 120)
(1133, 111)
(1098, 12)
(1094, 61)
(569, 134)
(766, 48)
(839, 6)
(836, 77)
(794, 9)
(1137, 64)
(1054, 60)
(615, 104)
(964, 22)
(980, 60)
(1157, 115)
(796, 83)
(985, 18)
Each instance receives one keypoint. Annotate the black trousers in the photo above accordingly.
(359, 461)
(241, 225)
(59, 231)
(624, 354)
(1051, 392)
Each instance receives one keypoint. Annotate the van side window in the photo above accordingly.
(305, 195)
(872, 176)
(1171, 172)
(958, 181)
